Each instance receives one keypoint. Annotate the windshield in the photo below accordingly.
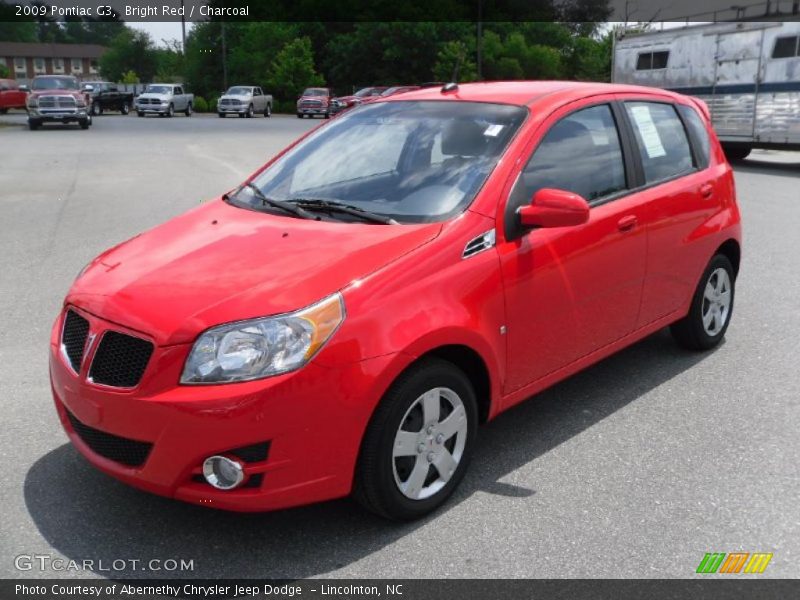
(370, 91)
(414, 162)
(315, 92)
(239, 91)
(55, 83)
(158, 89)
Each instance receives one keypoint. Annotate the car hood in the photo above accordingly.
(236, 96)
(219, 263)
(152, 95)
(57, 92)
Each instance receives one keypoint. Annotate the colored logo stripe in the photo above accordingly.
(711, 562)
(735, 561)
(758, 562)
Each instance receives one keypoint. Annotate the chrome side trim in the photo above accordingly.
(478, 244)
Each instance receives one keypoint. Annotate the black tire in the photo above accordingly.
(249, 113)
(736, 151)
(221, 115)
(139, 113)
(689, 332)
(299, 115)
(3, 111)
(268, 110)
(188, 111)
(327, 115)
(375, 487)
(96, 108)
(33, 124)
(125, 109)
(84, 123)
(170, 111)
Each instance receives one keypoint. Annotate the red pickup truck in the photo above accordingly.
(11, 96)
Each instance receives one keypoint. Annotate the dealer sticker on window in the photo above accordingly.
(648, 131)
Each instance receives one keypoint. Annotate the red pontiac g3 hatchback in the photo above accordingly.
(343, 321)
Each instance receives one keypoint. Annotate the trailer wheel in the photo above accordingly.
(736, 151)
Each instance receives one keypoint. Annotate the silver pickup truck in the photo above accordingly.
(245, 101)
(164, 99)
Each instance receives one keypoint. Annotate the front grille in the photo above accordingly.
(73, 338)
(229, 102)
(57, 102)
(120, 360)
(119, 449)
(149, 101)
(310, 104)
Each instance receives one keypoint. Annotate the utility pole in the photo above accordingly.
(480, 40)
(183, 29)
(224, 59)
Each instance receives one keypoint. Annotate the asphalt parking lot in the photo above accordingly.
(634, 468)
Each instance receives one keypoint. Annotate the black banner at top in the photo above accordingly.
(398, 10)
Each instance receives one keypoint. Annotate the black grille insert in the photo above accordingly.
(76, 328)
(120, 360)
(119, 449)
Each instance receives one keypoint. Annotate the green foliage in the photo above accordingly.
(131, 50)
(293, 70)
(5, 72)
(200, 104)
(455, 56)
(129, 77)
(212, 103)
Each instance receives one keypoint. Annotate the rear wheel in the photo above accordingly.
(712, 306)
(188, 111)
(268, 110)
(96, 108)
(418, 443)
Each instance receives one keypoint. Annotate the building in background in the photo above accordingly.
(25, 61)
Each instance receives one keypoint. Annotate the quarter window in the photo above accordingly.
(661, 139)
(581, 154)
(77, 65)
(652, 60)
(698, 133)
(786, 47)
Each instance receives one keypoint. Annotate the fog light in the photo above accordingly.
(223, 473)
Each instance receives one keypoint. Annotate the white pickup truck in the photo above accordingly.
(164, 99)
(245, 101)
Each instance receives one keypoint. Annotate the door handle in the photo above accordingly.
(627, 223)
(706, 190)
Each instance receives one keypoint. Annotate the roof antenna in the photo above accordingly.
(453, 85)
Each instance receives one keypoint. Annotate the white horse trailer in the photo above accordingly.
(748, 73)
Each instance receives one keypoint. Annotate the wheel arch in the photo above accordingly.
(733, 251)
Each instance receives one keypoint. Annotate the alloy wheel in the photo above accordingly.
(716, 301)
(429, 443)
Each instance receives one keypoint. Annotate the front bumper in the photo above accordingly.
(153, 108)
(313, 111)
(58, 116)
(312, 422)
(234, 110)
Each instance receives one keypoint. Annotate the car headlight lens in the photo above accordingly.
(258, 348)
(33, 102)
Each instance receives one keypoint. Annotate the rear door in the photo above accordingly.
(681, 194)
(572, 290)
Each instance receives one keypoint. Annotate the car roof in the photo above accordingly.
(525, 93)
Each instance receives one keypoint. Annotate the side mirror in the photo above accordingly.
(24, 88)
(554, 208)
(88, 88)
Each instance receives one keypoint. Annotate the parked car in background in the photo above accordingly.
(164, 100)
(314, 101)
(395, 278)
(58, 99)
(107, 96)
(245, 101)
(11, 96)
(341, 103)
(399, 89)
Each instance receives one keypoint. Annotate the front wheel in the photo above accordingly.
(139, 113)
(712, 306)
(84, 123)
(221, 115)
(33, 124)
(299, 115)
(170, 111)
(418, 443)
(126, 108)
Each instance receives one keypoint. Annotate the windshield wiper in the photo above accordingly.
(331, 206)
(285, 206)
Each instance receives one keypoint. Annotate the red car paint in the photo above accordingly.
(578, 293)
(11, 96)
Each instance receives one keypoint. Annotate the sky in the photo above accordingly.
(161, 31)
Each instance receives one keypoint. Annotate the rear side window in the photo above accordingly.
(786, 47)
(581, 154)
(698, 133)
(661, 139)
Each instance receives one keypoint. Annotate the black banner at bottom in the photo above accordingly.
(400, 589)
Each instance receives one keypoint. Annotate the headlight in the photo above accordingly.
(33, 102)
(258, 348)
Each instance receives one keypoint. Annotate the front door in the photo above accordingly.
(572, 290)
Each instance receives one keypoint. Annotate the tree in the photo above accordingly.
(455, 58)
(293, 70)
(130, 51)
(5, 72)
(130, 77)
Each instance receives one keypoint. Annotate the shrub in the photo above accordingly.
(212, 104)
(200, 104)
